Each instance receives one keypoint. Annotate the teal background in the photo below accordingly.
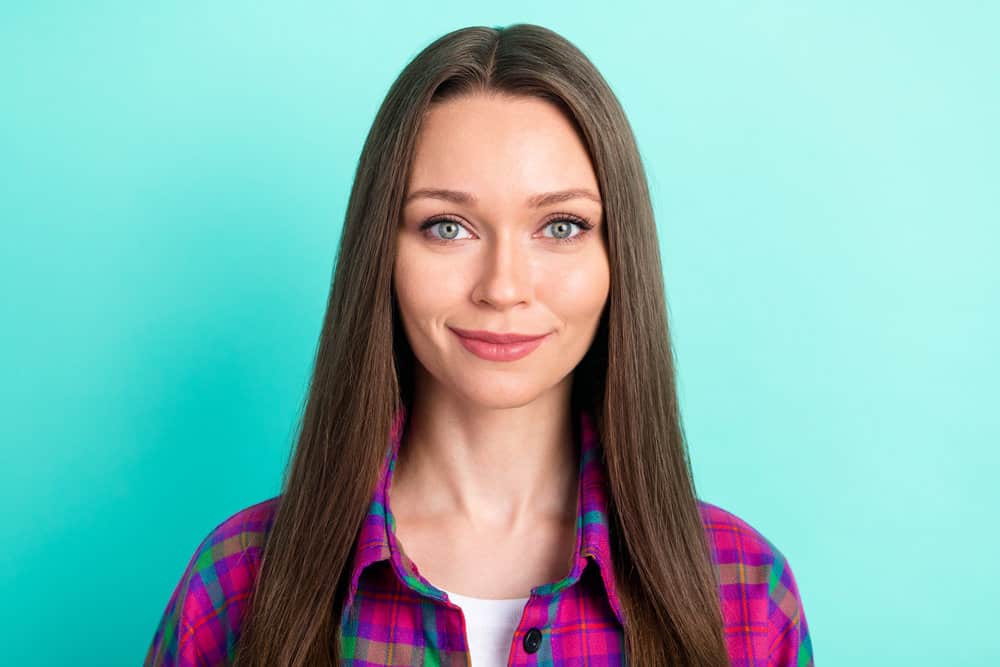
(173, 179)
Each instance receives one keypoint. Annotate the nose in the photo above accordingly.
(506, 277)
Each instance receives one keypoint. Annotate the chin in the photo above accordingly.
(501, 395)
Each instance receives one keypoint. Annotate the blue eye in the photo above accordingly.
(450, 228)
(582, 224)
(445, 223)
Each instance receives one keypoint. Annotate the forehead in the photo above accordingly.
(499, 144)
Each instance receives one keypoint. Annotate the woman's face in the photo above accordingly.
(477, 250)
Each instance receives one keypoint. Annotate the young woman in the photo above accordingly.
(491, 468)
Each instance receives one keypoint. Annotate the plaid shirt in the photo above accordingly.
(394, 616)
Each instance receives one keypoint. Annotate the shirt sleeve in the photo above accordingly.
(175, 642)
(201, 623)
(789, 644)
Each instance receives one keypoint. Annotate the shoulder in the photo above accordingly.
(761, 604)
(243, 532)
(734, 540)
(236, 545)
(201, 621)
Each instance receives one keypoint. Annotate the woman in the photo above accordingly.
(493, 400)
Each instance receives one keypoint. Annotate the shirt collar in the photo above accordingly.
(377, 539)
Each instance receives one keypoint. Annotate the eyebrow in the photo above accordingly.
(537, 201)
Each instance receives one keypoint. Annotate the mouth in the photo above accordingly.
(498, 347)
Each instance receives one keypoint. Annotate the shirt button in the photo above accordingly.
(532, 640)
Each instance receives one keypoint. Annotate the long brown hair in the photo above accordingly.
(363, 373)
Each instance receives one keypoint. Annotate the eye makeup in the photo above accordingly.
(580, 222)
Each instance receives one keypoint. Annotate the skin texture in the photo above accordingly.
(485, 488)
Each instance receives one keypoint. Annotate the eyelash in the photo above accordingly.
(582, 223)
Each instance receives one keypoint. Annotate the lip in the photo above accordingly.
(493, 337)
(498, 347)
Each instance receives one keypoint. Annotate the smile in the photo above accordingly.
(499, 351)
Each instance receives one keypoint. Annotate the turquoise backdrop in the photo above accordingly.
(173, 180)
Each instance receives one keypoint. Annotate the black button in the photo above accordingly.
(532, 640)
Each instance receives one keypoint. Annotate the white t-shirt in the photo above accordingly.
(490, 626)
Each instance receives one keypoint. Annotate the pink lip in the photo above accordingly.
(498, 347)
(492, 337)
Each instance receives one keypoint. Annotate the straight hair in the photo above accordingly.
(363, 372)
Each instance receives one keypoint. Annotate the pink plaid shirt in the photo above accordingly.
(394, 616)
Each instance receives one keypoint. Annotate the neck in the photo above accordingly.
(496, 469)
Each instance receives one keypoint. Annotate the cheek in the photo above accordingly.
(425, 285)
(577, 291)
